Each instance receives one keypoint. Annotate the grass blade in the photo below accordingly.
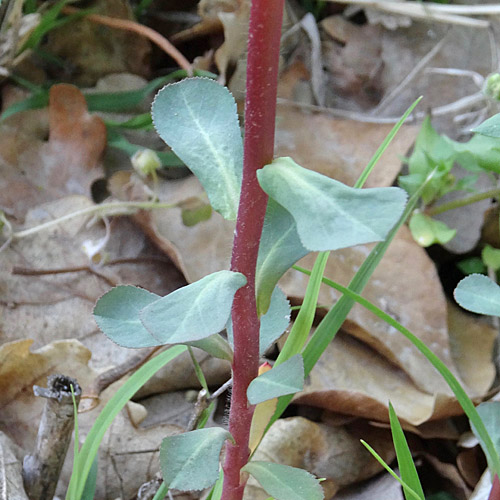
(90, 447)
(405, 460)
(412, 494)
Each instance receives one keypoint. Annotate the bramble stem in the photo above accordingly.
(260, 113)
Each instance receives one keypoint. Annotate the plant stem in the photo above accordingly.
(463, 202)
(260, 114)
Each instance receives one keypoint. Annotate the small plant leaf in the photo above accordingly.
(195, 311)
(215, 345)
(272, 324)
(405, 461)
(491, 257)
(427, 231)
(329, 214)
(490, 416)
(190, 461)
(287, 378)
(280, 247)
(197, 118)
(490, 127)
(285, 483)
(117, 315)
(479, 294)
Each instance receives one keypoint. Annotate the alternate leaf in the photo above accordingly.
(197, 118)
(117, 315)
(190, 461)
(426, 231)
(280, 247)
(490, 127)
(329, 214)
(405, 461)
(490, 416)
(479, 294)
(272, 324)
(491, 257)
(195, 311)
(285, 483)
(287, 378)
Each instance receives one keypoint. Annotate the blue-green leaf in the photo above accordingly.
(195, 311)
(285, 483)
(190, 461)
(197, 118)
(490, 127)
(479, 294)
(280, 247)
(490, 416)
(287, 378)
(329, 214)
(117, 315)
(273, 324)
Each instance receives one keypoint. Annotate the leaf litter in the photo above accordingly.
(365, 366)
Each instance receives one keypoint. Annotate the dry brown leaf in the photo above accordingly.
(352, 379)
(340, 149)
(332, 453)
(406, 286)
(94, 51)
(37, 171)
(56, 305)
(472, 342)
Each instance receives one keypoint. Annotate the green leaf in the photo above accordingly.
(287, 378)
(479, 294)
(285, 483)
(117, 315)
(195, 311)
(93, 440)
(405, 461)
(190, 461)
(280, 247)
(490, 416)
(472, 265)
(273, 324)
(215, 345)
(491, 257)
(427, 231)
(329, 214)
(490, 127)
(197, 118)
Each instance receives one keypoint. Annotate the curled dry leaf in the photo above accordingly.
(352, 379)
(332, 453)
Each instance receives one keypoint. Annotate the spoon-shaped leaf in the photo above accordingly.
(329, 214)
(477, 293)
(197, 118)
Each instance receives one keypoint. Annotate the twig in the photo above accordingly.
(432, 12)
(41, 469)
(105, 379)
(140, 29)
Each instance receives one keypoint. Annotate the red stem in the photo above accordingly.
(495, 489)
(260, 114)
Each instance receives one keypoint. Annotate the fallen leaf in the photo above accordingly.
(406, 286)
(11, 479)
(352, 379)
(332, 453)
(382, 486)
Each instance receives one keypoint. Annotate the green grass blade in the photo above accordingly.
(198, 371)
(91, 483)
(90, 447)
(381, 461)
(162, 492)
(405, 461)
(376, 157)
(462, 397)
(302, 324)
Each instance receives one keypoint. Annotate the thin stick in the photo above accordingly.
(140, 29)
(42, 468)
